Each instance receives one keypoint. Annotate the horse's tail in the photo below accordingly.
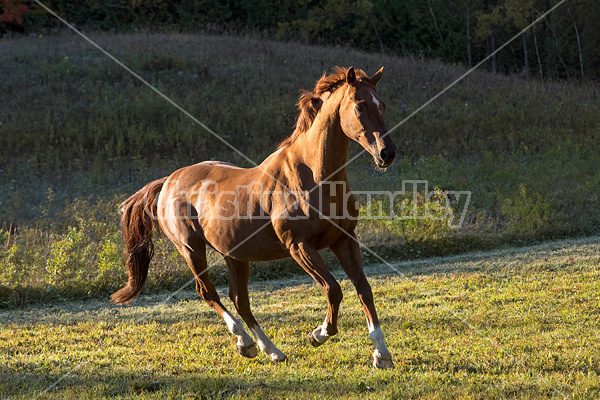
(137, 220)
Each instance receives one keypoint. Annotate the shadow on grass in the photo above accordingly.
(408, 381)
(110, 384)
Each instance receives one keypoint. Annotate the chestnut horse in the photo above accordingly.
(199, 205)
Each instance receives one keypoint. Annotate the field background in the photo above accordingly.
(79, 134)
(489, 319)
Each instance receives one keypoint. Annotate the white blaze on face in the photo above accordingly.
(376, 103)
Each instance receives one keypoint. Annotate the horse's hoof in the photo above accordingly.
(276, 359)
(382, 362)
(249, 351)
(318, 336)
(313, 340)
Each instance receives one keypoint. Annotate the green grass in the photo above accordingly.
(531, 330)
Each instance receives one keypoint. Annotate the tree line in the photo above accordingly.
(564, 45)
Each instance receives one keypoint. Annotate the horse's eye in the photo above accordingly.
(360, 108)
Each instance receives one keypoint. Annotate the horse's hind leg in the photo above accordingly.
(196, 259)
(239, 272)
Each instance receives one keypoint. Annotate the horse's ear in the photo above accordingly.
(375, 78)
(351, 76)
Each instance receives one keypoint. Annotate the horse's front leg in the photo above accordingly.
(309, 259)
(347, 251)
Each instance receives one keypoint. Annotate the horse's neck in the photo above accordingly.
(324, 147)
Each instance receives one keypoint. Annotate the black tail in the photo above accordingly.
(137, 220)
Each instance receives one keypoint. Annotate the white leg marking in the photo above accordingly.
(376, 336)
(320, 334)
(236, 328)
(265, 344)
(382, 358)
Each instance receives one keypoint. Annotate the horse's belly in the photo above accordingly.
(248, 240)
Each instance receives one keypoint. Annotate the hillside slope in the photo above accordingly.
(76, 122)
(78, 134)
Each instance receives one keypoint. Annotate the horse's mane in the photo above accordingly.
(310, 101)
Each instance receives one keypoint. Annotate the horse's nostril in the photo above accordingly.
(384, 154)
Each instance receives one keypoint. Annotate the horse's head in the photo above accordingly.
(362, 117)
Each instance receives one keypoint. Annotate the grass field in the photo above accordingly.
(516, 323)
(78, 135)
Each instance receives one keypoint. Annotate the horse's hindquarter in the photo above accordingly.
(219, 203)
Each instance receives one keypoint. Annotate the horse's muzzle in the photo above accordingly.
(383, 153)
